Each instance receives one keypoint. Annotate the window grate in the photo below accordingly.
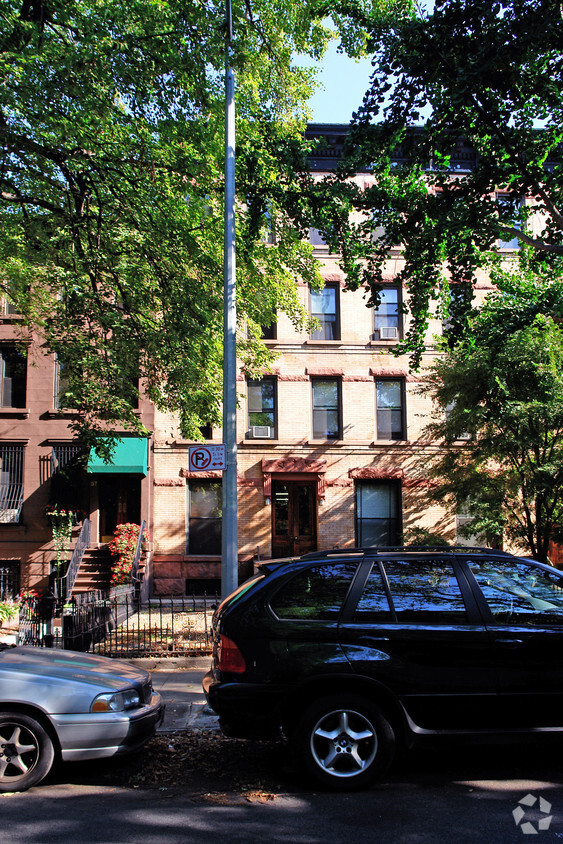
(9, 579)
(62, 455)
(11, 483)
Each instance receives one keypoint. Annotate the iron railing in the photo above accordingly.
(138, 552)
(115, 625)
(67, 582)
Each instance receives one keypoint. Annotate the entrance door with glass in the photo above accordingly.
(294, 518)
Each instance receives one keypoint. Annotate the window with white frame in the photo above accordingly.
(390, 409)
(378, 508)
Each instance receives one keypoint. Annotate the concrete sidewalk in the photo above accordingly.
(179, 683)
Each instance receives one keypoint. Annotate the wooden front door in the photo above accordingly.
(294, 518)
(120, 502)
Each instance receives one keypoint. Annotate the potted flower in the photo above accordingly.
(122, 548)
(8, 609)
(61, 521)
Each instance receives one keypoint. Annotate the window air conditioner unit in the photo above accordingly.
(388, 333)
(261, 432)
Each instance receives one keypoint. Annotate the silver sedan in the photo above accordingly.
(67, 705)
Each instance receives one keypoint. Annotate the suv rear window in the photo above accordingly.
(425, 592)
(316, 594)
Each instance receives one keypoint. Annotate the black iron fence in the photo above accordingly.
(114, 624)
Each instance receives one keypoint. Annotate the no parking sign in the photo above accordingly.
(206, 458)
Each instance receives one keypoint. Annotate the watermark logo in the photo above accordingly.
(533, 814)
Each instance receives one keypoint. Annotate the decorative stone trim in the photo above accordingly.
(376, 473)
(324, 370)
(185, 473)
(293, 378)
(340, 482)
(294, 469)
(357, 378)
(388, 373)
(169, 482)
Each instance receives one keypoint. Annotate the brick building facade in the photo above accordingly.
(330, 443)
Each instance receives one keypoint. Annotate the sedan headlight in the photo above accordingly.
(116, 701)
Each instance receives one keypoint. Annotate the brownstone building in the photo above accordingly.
(39, 468)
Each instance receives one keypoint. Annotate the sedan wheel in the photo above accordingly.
(26, 752)
(344, 742)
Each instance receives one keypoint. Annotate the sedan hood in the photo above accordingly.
(58, 664)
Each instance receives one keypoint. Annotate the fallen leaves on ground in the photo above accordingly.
(212, 767)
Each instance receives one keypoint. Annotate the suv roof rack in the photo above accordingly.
(375, 550)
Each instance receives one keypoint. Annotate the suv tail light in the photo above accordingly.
(229, 657)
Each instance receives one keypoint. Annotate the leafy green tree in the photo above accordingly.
(476, 78)
(111, 189)
(500, 399)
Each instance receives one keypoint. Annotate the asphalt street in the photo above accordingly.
(447, 794)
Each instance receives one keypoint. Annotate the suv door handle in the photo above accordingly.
(509, 643)
(372, 640)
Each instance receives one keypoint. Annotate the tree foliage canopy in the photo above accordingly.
(474, 80)
(111, 188)
(500, 397)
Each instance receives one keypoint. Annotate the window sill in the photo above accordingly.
(338, 441)
(60, 414)
(311, 342)
(14, 412)
(387, 443)
(259, 441)
(378, 342)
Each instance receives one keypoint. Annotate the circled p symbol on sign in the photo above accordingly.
(201, 458)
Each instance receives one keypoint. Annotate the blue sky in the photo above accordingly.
(345, 82)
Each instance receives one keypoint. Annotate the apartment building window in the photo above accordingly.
(316, 238)
(67, 476)
(270, 332)
(325, 307)
(327, 409)
(377, 513)
(386, 317)
(9, 579)
(204, 517)
(13, 376)
(61, 385)
(7, 307)
(262, 421)
(11, 483)
(390, 409)
(506, 203)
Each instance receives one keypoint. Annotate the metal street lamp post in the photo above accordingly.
(229, 548)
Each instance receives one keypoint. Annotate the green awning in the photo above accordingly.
(129, 457)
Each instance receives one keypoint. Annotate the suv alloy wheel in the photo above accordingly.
(344, 742)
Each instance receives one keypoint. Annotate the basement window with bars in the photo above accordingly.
(11, 483)
(9, 579)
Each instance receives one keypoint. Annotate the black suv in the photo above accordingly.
(353, 651)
